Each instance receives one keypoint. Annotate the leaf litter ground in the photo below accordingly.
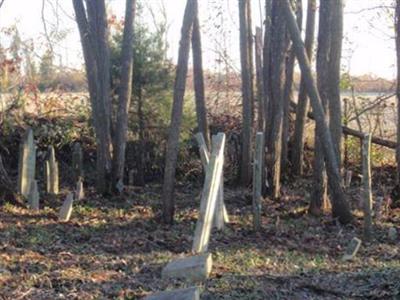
(116, 249)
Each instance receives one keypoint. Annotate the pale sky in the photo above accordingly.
(367, 49)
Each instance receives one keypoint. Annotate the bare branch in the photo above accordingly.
(1, 3)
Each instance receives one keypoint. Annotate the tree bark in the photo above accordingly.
(340, 206)
(333, 81)
(279, 44)
(288, 91)
(302, 107)
(201, 110)
(176, 114)
(266, 68)
(259, 80)
(397, 31)
(245, 170)
(319, 196)
(266, 81)
(92, 24)
(124, 93)
(140, 178)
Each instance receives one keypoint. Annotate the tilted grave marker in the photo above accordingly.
(209, 195)
(221, 214)
(26, 163)
(66, 208)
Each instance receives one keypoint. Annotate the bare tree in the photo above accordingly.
(245, 167)
(319, 195)
(288, 91)
(201, 110)
(266, 85)
(124, 92)
(176, 114)
(302, 107)
(92, 24)
(340, 206)
(259, 80)
(279, 45)
(333, 81)
(397, 29)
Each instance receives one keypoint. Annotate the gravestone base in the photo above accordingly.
(193, 269)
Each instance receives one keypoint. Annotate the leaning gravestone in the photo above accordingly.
(66, 208)
(26, 164)
(52, 177)
(221, 215)
(192, 293)
(209, 195)
(352, 249)
(33, 198)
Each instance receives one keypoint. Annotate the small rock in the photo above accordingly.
(392, 234)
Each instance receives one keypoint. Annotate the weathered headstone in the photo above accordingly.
(193, 268)
(367, 191)
(221, 215)
(33, 198)
(66, 208)
(26, 164)
(352, 249)
(52, 178)
(77, 161)
(209, 195)
(80, 193)
(257, 180)
(192, 293)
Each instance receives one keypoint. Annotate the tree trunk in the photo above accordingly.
(319, 197)
(250, 51)
(288, 91)
(340, 207)
(397, 29)
(333, 81)
(302, 107)
(176, 114)
(93, 32)
(245, 170)
(266, 88)
(259, 81)
(279, 44)
(266, 68)
(201, 110)
(124, 93)
(140, 178)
